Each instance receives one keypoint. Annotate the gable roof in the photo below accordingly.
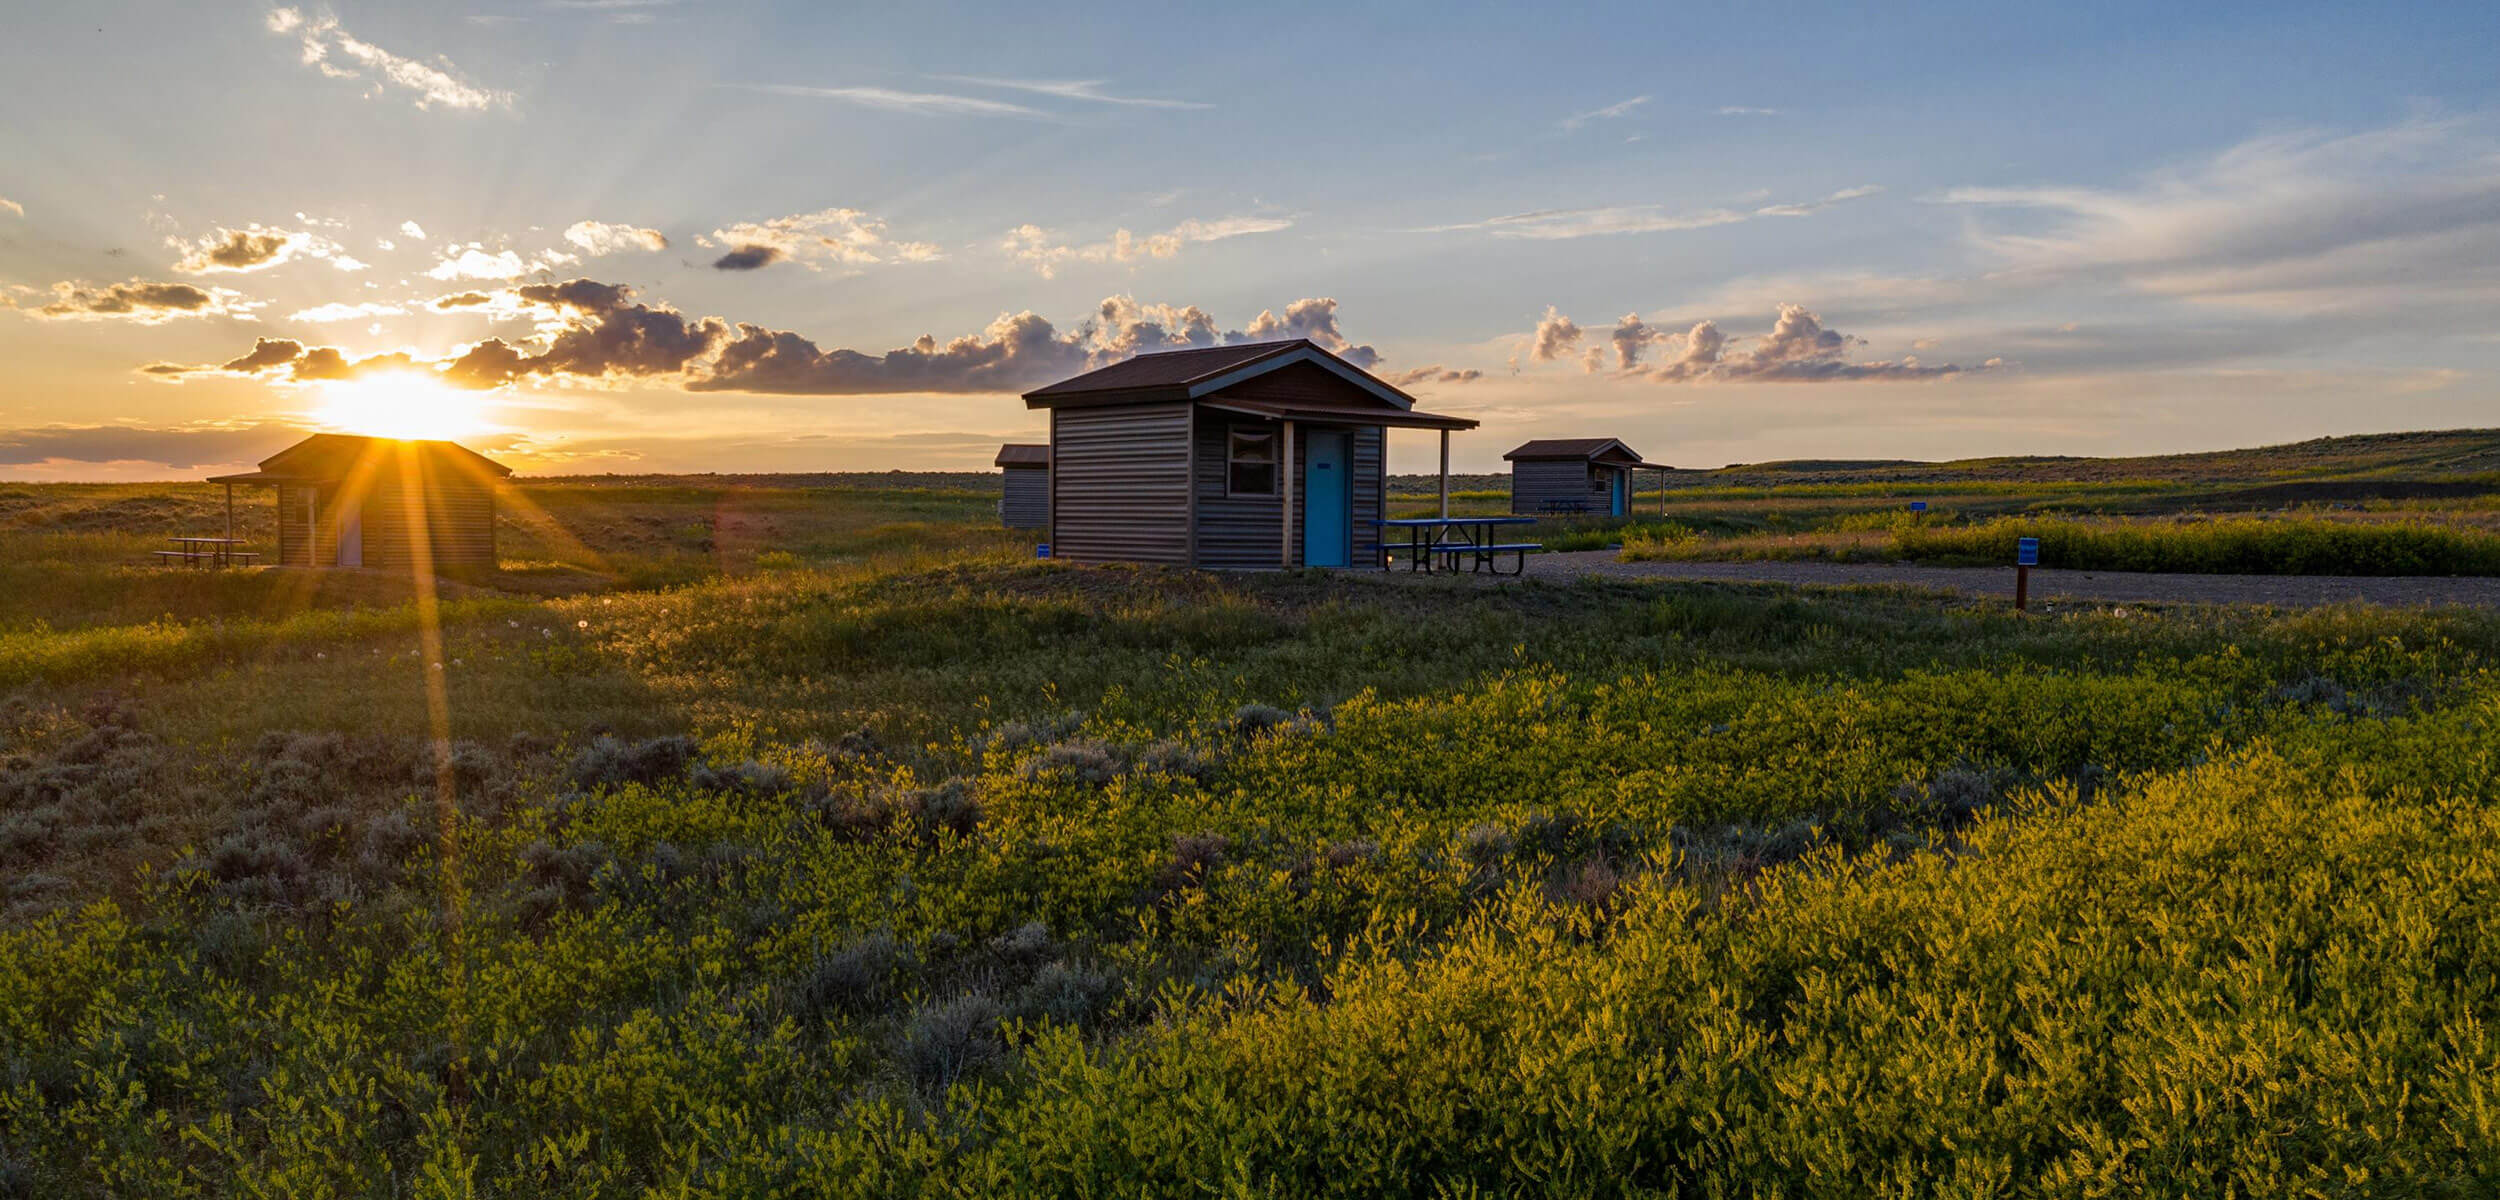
(328, 457)
(1610, 450)
(1167, 375)
(1022, 454)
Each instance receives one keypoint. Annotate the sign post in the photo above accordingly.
(2026, 556)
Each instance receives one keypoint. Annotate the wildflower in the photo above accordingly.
(581, 624)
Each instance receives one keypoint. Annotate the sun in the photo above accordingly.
(401, 404)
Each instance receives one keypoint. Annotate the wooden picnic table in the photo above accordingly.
(1451, 539)
(214, 551)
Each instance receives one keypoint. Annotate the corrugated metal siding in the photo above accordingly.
(1247, 532)
(1233, 532)
(1120, 483)
(1534, 482)
(1024, 497)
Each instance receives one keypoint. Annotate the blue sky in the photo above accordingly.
(1724, 234)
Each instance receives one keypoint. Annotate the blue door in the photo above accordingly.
(1623, 493)
(1327, 499)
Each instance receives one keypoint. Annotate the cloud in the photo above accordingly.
(460, 300)
(748, 258)
(1432, 374)
(1034, 246)
(600, 332)
(1799, 349)
(137, 301)
(337, 54)
(1739, 110)
(412, 229)
(1070, 89)
(598, 237)
(890, 100)
(2403, 218)
(473, 262)
(239, 250)
(1810, 207)
(13, 206)
(842, 235)
(179, 448)
(1558, 223)
(1620, 108)
(324, 313)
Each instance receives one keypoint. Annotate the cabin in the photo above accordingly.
(1561, 476)
(350, 501)
(1258, 456)
(1024, 498)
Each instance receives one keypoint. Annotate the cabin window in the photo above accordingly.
(1250, 463)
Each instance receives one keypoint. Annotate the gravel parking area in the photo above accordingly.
(2294, 591)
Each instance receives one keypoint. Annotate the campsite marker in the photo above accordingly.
(1918, 506)
(2026, 556)
(1042, 551)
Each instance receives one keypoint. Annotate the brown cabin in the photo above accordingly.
(350, 501)
(1565, 476)
(1265, 455)
(1024, 487)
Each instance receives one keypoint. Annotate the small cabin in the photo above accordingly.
(1574, 476)
(1254, 456)
(1024, 496)
(350, 501)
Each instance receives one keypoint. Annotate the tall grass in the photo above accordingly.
(2230, 546)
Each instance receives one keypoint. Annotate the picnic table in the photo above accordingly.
(1451, 539)
(209, 551)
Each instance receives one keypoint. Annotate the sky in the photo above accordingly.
(721, 235)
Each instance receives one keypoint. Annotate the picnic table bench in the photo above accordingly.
(1451, 540)
(209, 551)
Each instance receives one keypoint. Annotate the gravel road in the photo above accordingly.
(2293, 591)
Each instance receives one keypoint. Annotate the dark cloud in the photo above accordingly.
(266, 353)
(1433, 374)
(179, 449)
(460, 300)
(134, 300)
(602, 332)
(748, 258)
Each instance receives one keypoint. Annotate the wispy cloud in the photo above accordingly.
(326, 313)
(892, 100)
(599, 237)
(1739, 110)
(1810, 207)
(474, 261)
(1034, 246)
(1071, 89)
(139, 302)
(840, 235)
(1557, 223)
(334, 52)
(1620, 108)
(13, 206)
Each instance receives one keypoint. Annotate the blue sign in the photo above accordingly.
(2027, 552)
(1918, 506)
(1042, 551)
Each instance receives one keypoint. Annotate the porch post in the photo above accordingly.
(1445, 474)
(1284, 486)
(229, 512)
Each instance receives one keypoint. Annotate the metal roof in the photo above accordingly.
(1341, 414)
(1022, 454)
(328, 457)
(1592, 449)
(1167, 375)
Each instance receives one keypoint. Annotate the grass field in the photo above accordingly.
(816, 841)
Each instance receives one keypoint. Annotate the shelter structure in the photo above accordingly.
(1561, 476)
(352, 501)
(1265, 455)
(1024, 496)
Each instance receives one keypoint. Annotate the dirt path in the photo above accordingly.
(2295, 591)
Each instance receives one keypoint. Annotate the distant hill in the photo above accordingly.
(2451, 452)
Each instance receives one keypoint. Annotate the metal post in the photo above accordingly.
(1445, 474)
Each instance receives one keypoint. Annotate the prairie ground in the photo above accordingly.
(739, 840)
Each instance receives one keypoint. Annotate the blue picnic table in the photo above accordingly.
(1451, 539)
